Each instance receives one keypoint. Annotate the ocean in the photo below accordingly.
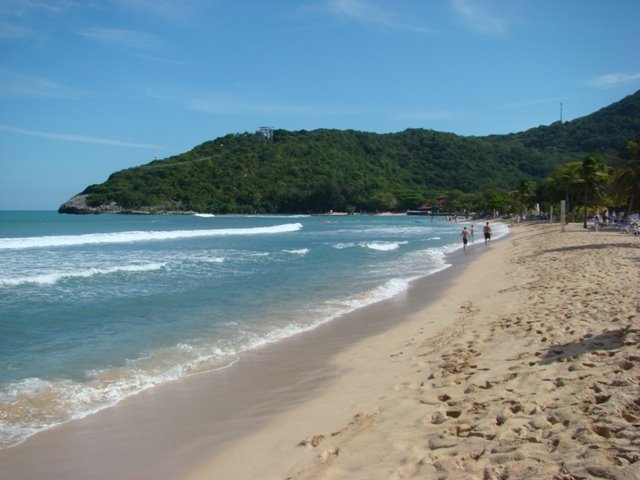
(96, 308)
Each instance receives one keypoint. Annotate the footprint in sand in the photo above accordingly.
(312, 441)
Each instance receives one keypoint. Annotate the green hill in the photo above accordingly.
(322, 170)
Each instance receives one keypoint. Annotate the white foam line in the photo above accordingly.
(136, 236)
(300, 251)
(53, 277)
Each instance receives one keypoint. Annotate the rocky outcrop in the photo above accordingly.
(78, 205)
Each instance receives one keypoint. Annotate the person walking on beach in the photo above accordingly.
(473, 240)
(487, 234)
(465, 234)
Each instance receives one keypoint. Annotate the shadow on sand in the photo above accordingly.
(594, 246)
(607, 340)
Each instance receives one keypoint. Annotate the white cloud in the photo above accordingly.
(15, 13)
(478, 18)
(613, 79)
(165, 9)
(365, 12)
(122, 38)
(12, 83)
(18, 8)
(78, 138)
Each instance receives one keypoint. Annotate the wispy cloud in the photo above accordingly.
(613, 79)
(122, 38)
(165, 9)
(66, 137)
(531, 103)
(13, 83)
(15, 13)
(365, 12)
(477, 18)
(18, 8)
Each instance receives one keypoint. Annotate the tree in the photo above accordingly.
(497, 200)
(567, 179)
(594, 177)
(454, 201)
(524, 194)
(382, 201)
(626, 178)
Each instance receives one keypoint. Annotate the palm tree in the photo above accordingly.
(594, 177)
(524, 193)
(570, 179)
(626, 178)
(565, 182)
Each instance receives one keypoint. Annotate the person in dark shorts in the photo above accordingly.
(487, 233)
(465, 234)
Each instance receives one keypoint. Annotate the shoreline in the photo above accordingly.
(527, 367)
(73, 449)
(124, 382)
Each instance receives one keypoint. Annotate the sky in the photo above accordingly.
(91, 87)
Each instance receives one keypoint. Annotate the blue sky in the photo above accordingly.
(91, 87)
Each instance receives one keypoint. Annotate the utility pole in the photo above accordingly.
(560, 112)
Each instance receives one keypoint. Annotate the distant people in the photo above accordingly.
(473, 238)
(487, 234)
(465, 234)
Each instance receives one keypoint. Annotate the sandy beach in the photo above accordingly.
(527, 367)
(520, 361)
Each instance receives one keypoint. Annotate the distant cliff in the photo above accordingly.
(321, 170)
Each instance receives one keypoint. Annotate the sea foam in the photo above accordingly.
(34, 404)
(384, 246)
(137, 236)
(379, 246)
(299, 251)
(51, 278)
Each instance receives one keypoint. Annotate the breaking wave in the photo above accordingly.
(51, 278)
(136, 236)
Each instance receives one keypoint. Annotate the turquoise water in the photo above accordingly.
(96, 308)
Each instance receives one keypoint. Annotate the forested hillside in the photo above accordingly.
(322, 170)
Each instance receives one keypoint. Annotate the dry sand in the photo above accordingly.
(527, 367)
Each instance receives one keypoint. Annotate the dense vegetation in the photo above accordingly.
(322, 170)
(592, 186)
